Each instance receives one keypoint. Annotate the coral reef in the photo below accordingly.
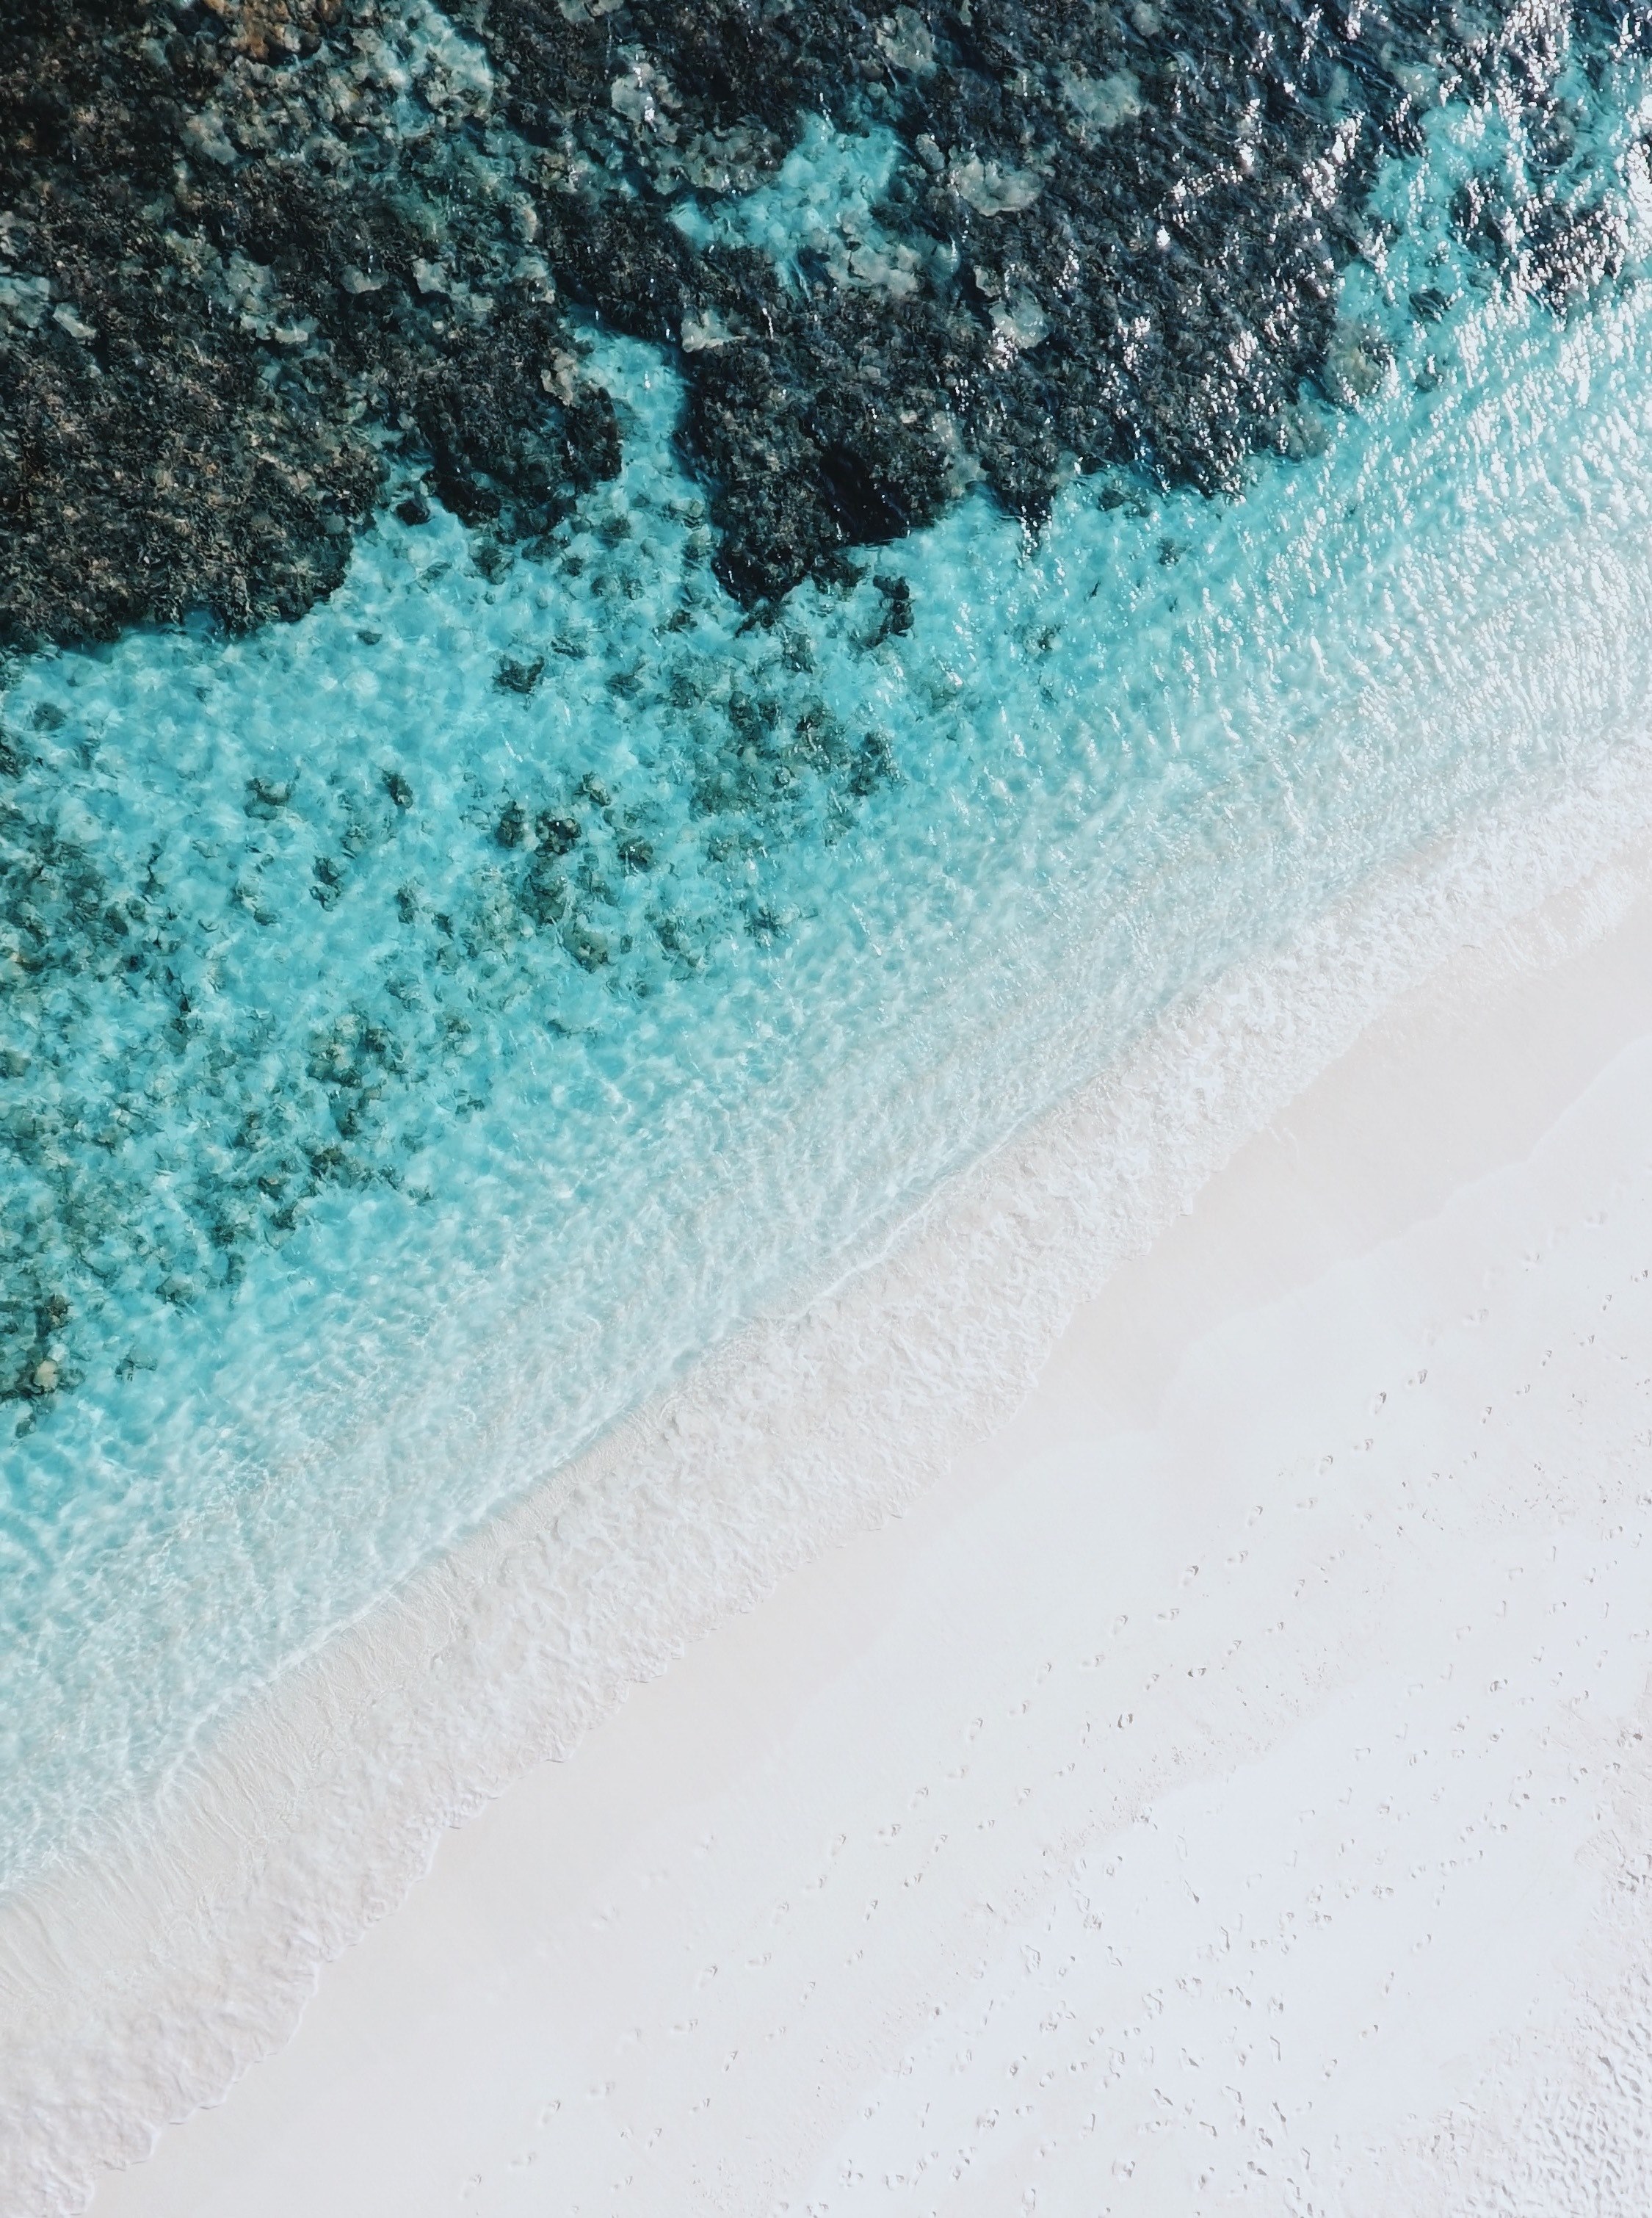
(248, 248)
(253, 251)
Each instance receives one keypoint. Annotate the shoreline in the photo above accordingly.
(850, 1409)
(1396, 1841)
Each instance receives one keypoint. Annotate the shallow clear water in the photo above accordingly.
(480, 996)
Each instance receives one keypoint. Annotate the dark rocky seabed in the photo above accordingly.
(248, 272)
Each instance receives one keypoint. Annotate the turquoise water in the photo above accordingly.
(429, 1028)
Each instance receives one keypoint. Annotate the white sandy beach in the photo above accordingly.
(1227, 1786)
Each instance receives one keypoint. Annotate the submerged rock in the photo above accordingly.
(518, 677)
(218, 306)
(1111, 237)
(249, 246)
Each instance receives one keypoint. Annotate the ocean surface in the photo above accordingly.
(430, 1027)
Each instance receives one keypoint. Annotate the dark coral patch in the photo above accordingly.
(252, 249)
(242, 261)
(1118, 231)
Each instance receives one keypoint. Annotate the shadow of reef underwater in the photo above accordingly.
(259, 259)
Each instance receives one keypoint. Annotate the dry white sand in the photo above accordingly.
(1230, 1786)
